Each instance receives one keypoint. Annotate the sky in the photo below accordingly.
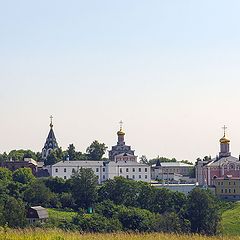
(168, 69)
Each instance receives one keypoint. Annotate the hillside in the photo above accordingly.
(231, 220)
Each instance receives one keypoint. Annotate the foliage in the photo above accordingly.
(19, 155)
(23, 175)
(54, 156)
(5, 174)
(202, 212)
(84, 187)
(96, 223)
(13, 213)
(96, 150)
(38, 194)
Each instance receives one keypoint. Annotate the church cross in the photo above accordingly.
(224, 129)
(51, 118)
(121, 124)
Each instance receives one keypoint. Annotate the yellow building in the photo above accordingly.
(227, 187)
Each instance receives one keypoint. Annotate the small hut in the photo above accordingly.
(37, 214)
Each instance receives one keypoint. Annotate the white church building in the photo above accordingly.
(122, 162)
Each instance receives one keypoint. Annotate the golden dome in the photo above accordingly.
(224, 140)
(120, 132)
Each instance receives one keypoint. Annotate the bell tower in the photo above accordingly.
(51, 142)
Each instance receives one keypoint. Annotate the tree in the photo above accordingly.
(120, 190)
(5, 174)
(14, 213)
(84, 187)
(203, 212)
(96, 150)
(71, 152)
(38, 194)
(23, 175)
(19, 155)
(3, 157)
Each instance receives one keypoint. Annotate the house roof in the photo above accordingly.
(41, 212)
(222, 161)
(173, 164)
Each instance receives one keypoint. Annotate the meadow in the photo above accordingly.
(231, 220)
(39, 234)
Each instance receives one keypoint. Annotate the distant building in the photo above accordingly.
(171, 171)
(103, 169)
(51, 142)
(227, 187)
(224, 164)
(26, 163)
(183, 188)
(121, 147)
(37, 214)
(122, 162)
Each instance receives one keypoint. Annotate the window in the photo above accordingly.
(97, 170)
(127, 177)
(56, 170)
(133, 169)
(225, 190)
(103, 176)
(65, 177)
(145, 169)
(140, 176)
(218, 183)
(73, 170)
(229, 190)
(65, 170)
(145, 176)
(126, 169)
(120, 170)
(139, 169)
(133, 176)
(234, 190)
(234, 183)
(103, 169)
(221, 190)
(229, 183)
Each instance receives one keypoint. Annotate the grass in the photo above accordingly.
(231, 220)
(40, 234)
(58, 215)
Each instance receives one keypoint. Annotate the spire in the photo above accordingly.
(51, 142)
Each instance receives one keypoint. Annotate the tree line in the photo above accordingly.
(118, 205)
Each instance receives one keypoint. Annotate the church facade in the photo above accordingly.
(121, 151)
(221, 166)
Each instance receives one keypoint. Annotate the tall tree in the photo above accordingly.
(96, 150)
(203, 212)
(23, 175)
(84, 187)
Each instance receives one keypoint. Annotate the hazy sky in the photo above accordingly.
(169, 69)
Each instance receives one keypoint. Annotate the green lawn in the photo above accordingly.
(231, 220)
(56, 214)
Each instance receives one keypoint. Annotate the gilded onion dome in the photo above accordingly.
(224, 140)
(120, 132)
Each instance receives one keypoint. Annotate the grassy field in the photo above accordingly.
(55, 214)
(231, 221)
(60, 235)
